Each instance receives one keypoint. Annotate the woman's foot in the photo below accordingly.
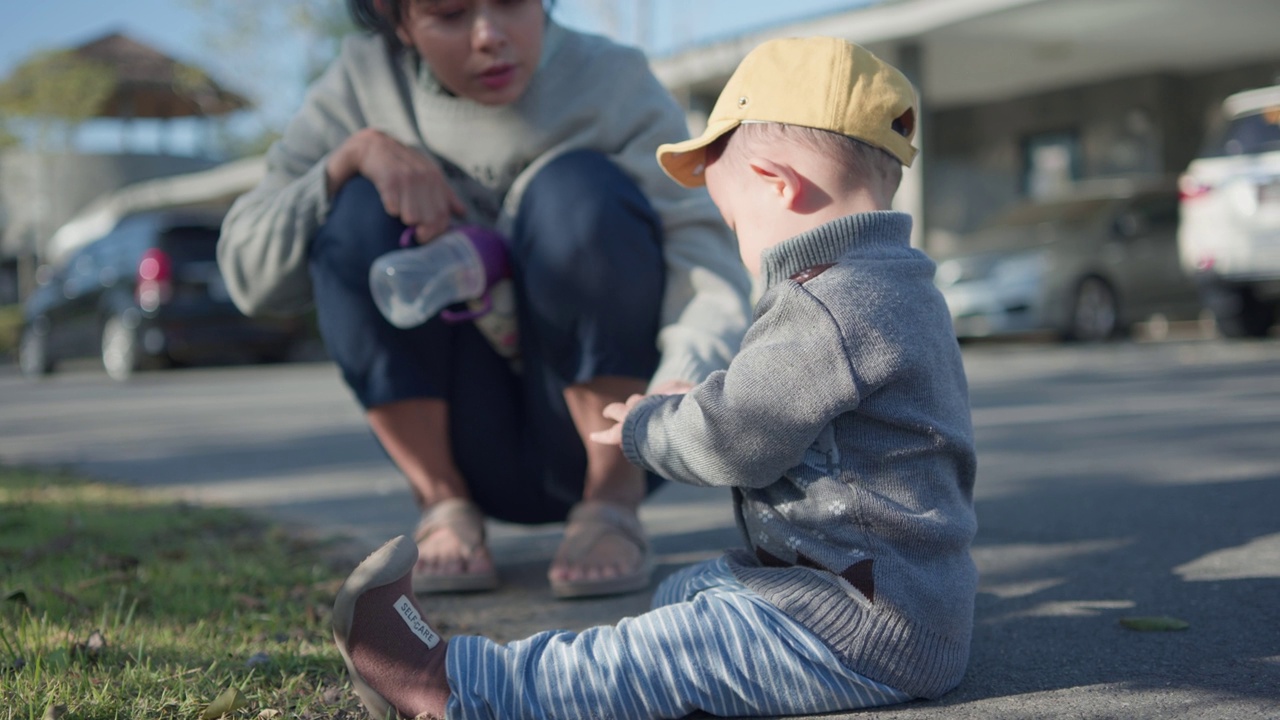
(396, 661)
(452, 554)
(604, 552)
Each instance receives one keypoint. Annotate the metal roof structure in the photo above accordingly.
(150, 84)
(975, 51)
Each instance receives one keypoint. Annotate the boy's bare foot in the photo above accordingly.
(396, 661)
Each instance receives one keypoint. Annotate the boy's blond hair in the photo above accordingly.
(858, 164)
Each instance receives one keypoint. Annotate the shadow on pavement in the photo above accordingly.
(1061, 568)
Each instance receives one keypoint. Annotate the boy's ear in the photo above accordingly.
(783, 182)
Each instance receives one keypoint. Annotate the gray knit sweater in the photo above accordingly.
(843, 428)
(588, 93)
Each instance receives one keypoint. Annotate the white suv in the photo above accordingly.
(1229, 233)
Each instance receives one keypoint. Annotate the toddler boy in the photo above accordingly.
(842, 427)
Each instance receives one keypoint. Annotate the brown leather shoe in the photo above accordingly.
(396, 661)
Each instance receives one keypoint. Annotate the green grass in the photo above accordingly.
(115, 605)
(10, 324)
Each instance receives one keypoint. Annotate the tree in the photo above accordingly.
(274, 49)
(249, 29)
(56, 86)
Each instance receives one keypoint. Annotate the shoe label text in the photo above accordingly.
(414, 620)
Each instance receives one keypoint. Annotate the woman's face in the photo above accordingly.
(483, 50)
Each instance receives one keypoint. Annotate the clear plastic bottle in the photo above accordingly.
(413, 285)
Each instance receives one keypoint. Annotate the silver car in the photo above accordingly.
(1084, 266)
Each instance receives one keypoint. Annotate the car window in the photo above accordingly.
(113, 258)
(1246, 135)
(134, 233)
(191, 243)
(83, 270)
(1159, 212)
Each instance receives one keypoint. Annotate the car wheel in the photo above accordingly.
(34, 359)
(1095, 314)
(1244, 316)
(121, 350)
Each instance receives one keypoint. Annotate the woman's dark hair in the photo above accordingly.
(367, 16)
(379, 16)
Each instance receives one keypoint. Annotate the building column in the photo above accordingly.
(911, 193)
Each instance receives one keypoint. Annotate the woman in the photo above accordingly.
(487, 111)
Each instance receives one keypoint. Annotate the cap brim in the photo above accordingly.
(685, 161)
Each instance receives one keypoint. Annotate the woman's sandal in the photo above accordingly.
(384, 639)
(466, 521)
(589, 522)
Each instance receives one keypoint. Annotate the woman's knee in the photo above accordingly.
(584, 186)
(358, 228)
(585, 227)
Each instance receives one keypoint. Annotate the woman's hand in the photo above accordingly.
(618, 413)
(411, 184)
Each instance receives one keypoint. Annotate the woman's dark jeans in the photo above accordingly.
(586, 252)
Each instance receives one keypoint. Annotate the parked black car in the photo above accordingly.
(145, 295)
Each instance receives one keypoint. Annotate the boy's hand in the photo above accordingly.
(618, 413)
(673, 387)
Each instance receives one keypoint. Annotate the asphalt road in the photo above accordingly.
(1127, 480)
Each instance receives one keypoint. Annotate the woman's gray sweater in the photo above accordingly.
(588, 93)
(843, 428)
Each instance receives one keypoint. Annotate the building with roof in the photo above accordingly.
(1024, 97)
(41, 189)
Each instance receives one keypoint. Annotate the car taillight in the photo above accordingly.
(155, 279)
(1190, 188)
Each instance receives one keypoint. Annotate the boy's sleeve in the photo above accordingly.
(745, 427)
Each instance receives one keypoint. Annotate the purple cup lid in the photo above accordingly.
(492, 249)
(489, 245)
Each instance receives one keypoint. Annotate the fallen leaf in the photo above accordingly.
(1155, 623)
(90, 649)
(269, 714)
(55, 712)
(332, 695)
(228, 702)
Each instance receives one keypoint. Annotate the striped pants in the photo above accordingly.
(709, 644)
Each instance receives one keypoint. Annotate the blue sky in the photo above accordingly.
(175, 27)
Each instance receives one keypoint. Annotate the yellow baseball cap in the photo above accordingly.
(817, 82)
